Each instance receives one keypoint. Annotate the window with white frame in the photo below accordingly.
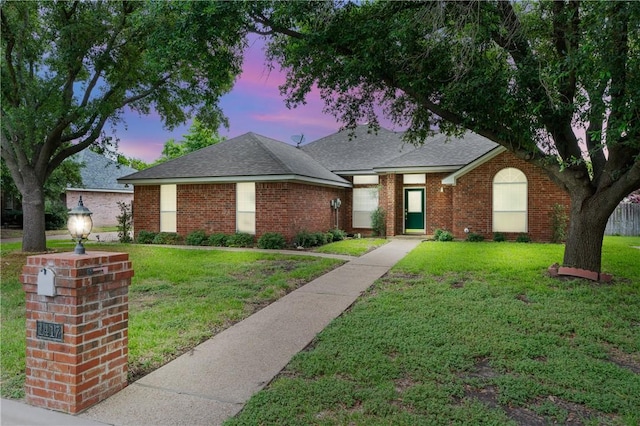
(168, 208)
(510, 201)
(246, 207)
(365, 180)
(365, 201)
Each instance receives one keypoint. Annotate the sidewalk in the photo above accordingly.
(212, 382)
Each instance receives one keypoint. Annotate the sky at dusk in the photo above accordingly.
(253, 105)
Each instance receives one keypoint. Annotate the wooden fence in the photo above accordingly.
(625, 220)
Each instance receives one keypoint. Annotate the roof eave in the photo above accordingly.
(235, 179)
(418, 169)
(452, 178)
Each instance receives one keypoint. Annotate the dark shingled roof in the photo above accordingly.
(246, 155)
(99, 172)
(360, 152)
(441, 151)
(367, 151)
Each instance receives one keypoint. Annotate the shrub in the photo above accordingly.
(338, 234)
(523, 238)
(196, 238)
(378, 222)
(55, 215)
(241, 239)
(304, 239)
(272, 241)
(437, 233)
(559, 219)
(171, 238)
(125, 222)
(445, 236)
(329, 237)
(218, 240)
(498, 237)
(146, 237)
(474, 238)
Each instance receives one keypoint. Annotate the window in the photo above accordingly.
(168, 208)
(365, 201)
(413, 179)
(246, 207)
(510, 201)
(365, 180)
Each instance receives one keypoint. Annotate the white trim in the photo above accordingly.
(416, 169)
(452, 178)
(236, 179)
(119, 191)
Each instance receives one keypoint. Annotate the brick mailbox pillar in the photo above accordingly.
(77, 328)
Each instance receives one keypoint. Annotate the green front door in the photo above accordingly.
(414, 210)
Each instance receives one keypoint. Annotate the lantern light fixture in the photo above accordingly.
(79, 225)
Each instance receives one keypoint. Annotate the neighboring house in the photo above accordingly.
(255, 184)
(100, 190)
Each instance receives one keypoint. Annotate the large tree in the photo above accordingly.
(526, 75)
(70, 68)
(199, 136)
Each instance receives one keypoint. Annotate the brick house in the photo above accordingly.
(255, 184)
(100, 189)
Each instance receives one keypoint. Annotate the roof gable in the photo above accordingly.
(248, 155)
(100, 173)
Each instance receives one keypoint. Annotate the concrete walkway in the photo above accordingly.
(213, 382)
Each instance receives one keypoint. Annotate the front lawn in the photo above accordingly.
(352, 246)
(473, 333)
(177, 299)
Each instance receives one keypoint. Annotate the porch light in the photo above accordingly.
(79, 225)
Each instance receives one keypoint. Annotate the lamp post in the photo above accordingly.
(79, 225)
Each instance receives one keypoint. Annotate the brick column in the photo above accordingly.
(77, 336)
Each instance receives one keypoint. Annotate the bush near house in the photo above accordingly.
(197, 238)
(218, 240)
(337, 234)
(145, 237)
(241, 239)
(272, 241)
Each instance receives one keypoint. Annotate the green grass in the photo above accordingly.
(177, 299)
(352, 246)
(473, 333)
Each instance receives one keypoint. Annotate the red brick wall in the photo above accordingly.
(472, 199)
(91, 304)
(290, 207)
(284, 207)
(146, 208)
(103, 205)
(207, 207)
(439, 203)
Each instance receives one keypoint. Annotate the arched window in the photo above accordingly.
(510, 201)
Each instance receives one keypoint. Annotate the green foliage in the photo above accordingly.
(241, 239)
(442, 235)
(311, 239)
(272, 240)
(498, 237)
(379, 222)
(125, 222)
(474, 238)
(559, 219)
(196, 238)
(199, 136)
(218, 240)
(55, 214)
(69, 69)
(145, 237)
(337, 234)
(523, 238)
(171, 238)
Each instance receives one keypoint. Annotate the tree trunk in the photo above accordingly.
(587, 222)
(33, 238)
